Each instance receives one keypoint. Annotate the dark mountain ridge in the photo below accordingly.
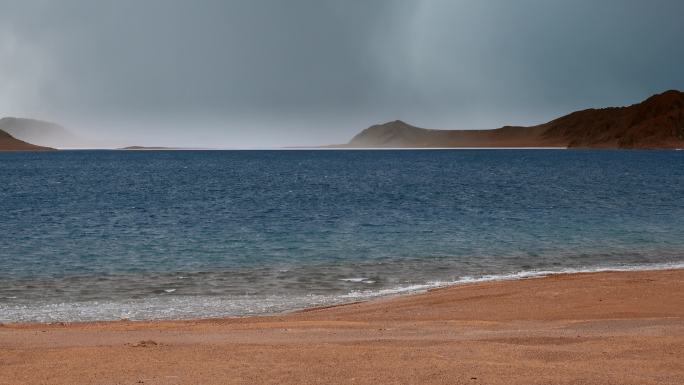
(657, 122)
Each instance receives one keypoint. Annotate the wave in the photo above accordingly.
(194, 307)
(525, 274)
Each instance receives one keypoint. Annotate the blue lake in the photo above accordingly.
(173, 234)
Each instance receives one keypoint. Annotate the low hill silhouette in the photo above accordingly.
(10, 143)
(657, 122)
(41, 133)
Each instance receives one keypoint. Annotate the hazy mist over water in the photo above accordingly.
(310, 72)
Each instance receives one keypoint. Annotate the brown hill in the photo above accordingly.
(9, 143)
(41, 133)
(401, 134)
(657, 122)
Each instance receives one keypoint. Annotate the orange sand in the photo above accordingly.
(598, 328)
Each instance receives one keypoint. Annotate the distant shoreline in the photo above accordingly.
(345, 149)
(654, 123)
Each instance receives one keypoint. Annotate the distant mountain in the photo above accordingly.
(9, 143)
(40, 132)
(401, 134)
(657, 122)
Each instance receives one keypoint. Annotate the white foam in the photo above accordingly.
(187, 307)
(361, 279)
(157, 307)
(417, 288)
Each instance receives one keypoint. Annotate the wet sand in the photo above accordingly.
(595, 328)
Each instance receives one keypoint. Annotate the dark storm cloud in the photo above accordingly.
(258, 72)
(138, 56)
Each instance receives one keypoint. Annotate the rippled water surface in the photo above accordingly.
(159, 234)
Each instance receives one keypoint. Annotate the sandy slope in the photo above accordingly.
(10, 143)
(600, 328)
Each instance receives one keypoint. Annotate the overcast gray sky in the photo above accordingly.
(258, 73)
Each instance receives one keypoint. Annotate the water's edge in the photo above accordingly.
(317, 301)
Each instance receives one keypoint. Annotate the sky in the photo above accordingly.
(271, 73)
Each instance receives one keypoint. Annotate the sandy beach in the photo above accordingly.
(593, 328)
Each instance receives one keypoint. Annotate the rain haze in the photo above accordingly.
(245, 74)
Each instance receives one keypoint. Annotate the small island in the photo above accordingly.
(142, 148)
